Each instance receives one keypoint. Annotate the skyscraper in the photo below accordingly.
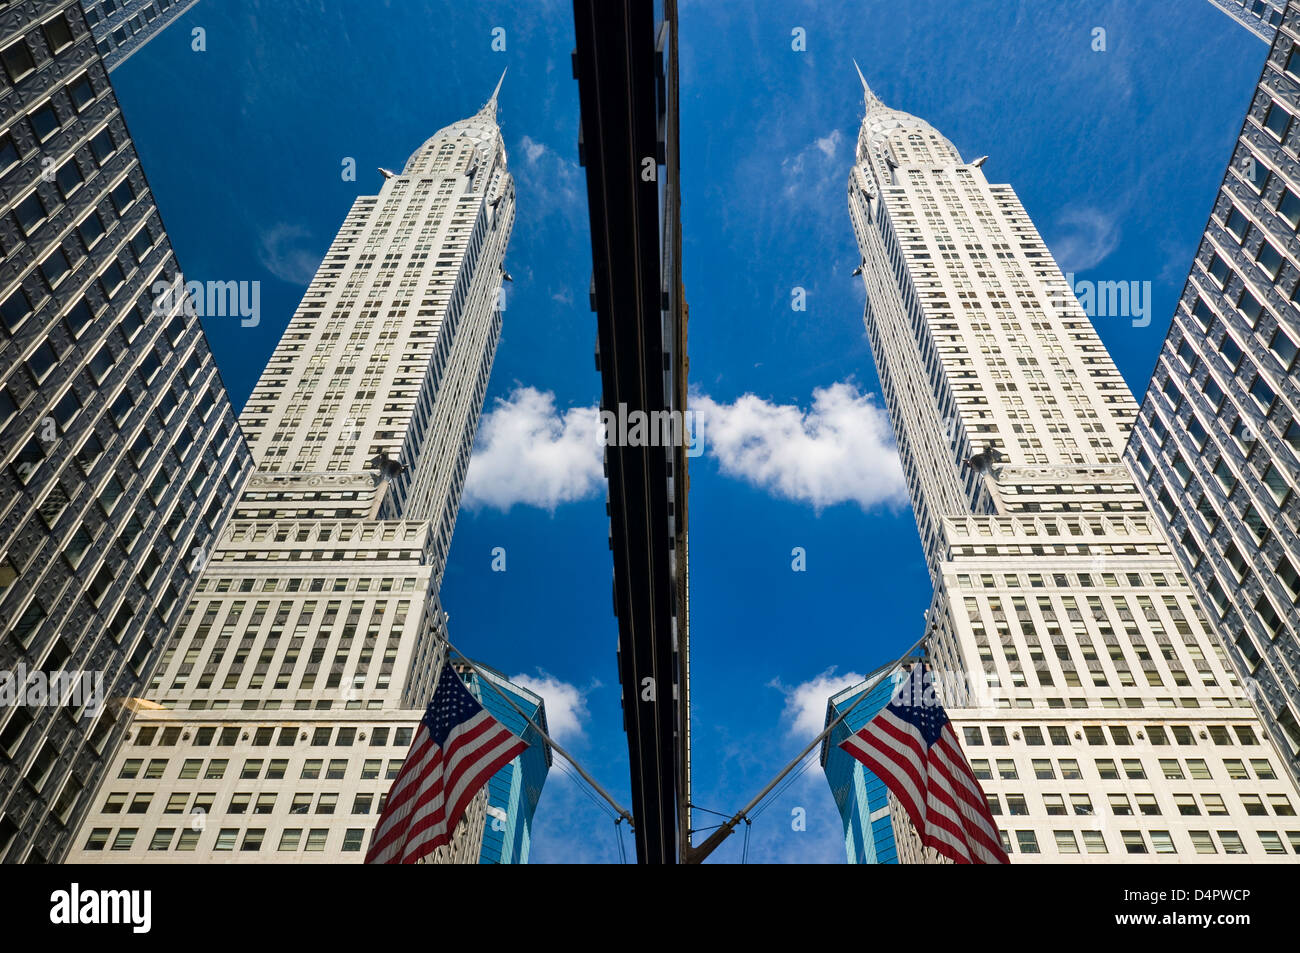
(123, 26)
(121, 454)
(311, 645)
(513, 792)
(862, 798)
(1260, 17)
(1218, 437)
(1093, 700)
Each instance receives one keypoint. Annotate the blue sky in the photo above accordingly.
(1116, 155)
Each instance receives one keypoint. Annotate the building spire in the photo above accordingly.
(492, 100)
(871, 98)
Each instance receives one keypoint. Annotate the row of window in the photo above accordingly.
(1112, 701)
(315, 584)
(1070, 581)
(1122, 804)
(1197, 769)
(216, 769)
(284, 737)
(268, 704)
(312, 769)
(1158, 735)
(136, 25)
(242, 802)
(1147, 842)
(165, 838)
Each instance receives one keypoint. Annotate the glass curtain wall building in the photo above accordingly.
(861, 797)
(513, 792)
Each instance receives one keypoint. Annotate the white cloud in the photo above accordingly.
(528, 452)
(533, 150)
(282, 255)
(830, 145)
(838, 452)
(552, 183)
(814, 172)
(841, 451)
(1089, 236)
(805, 703)
(566, 705)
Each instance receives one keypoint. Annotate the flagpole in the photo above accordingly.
(558, 750)
(693, 855)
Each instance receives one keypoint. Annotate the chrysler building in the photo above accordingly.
(1094, 703)
(281, 711)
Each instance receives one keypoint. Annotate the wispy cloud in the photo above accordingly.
(1085, 237)
(816, 171)
(840, 451)
(282, 250)
(531, 453)
(533, 150)
(549, 183)
(569, 828)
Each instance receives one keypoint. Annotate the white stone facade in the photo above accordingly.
(1092, 698)
(316, 620)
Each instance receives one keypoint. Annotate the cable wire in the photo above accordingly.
(581, 786)
(781, 789)
(618, 834)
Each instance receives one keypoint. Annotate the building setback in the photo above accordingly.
(281, 712)
(1093, 700)
(1217, 441)
(121, 454)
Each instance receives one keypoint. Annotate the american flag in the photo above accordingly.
(457, 748)
(911, 746)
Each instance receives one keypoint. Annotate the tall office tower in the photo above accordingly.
(1218, 437)
(121, 454)
(311, 646)
(121, 27)
(513, 792)
(862, 798)
(1260, 17)
(1100, 710)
